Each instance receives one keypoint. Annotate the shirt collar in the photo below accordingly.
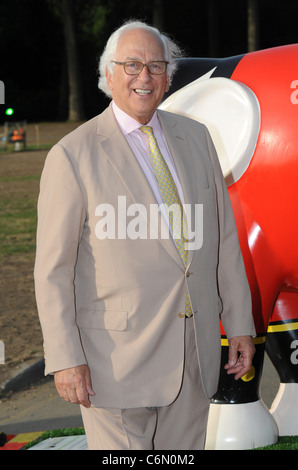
(129, 124)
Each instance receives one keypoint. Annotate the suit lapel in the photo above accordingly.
(181, 153)
(126, 165)
(123, 160)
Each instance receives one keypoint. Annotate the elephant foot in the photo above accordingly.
(284, 409)
(240, 426)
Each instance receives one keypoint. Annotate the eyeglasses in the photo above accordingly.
(134, 67)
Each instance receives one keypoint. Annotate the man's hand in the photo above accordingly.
(74, 385)
(241, 352)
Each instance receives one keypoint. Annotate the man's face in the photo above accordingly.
(138, 95)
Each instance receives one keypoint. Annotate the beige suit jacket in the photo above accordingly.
(115, 303)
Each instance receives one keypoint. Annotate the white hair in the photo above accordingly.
(171, 52)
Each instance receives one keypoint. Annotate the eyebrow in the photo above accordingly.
(140, 60)
(133, 58)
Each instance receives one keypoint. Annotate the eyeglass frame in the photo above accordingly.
(143, 65)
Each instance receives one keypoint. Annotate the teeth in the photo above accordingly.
(142, 92)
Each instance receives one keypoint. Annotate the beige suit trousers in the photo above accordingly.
(178, 426)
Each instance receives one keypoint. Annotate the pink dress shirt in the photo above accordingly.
(138, 142)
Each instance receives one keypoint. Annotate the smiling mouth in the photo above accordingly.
(141, 92)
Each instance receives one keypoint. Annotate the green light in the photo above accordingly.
(9, 112)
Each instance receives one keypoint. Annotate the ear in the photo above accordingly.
(109, 79)
(231, 112)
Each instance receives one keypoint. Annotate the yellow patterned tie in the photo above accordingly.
(171, 199)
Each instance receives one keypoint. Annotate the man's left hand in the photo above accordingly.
(241, 352)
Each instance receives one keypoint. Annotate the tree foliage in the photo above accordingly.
(50, 76)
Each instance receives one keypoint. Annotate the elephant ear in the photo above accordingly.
(230, 111)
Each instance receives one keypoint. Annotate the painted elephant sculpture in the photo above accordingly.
(250, 105)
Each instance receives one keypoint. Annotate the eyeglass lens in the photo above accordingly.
(135, 68)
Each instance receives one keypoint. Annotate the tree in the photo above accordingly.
(252, 25)
(75, 99)
(213, 28)
(157, 16)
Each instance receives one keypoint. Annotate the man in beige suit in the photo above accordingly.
(111, 288)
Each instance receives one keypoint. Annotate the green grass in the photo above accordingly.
(56, 433)
(284, 442)
(29, 148)
(18, 216)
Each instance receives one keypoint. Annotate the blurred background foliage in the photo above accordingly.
(50, 49)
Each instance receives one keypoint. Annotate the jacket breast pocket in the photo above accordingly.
(115, 320)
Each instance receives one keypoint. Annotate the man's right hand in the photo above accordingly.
(74, 385)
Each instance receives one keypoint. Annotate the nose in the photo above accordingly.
(144, 75)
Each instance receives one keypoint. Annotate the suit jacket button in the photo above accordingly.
(181, 315)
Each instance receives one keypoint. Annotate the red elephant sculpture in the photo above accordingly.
(250, 105)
